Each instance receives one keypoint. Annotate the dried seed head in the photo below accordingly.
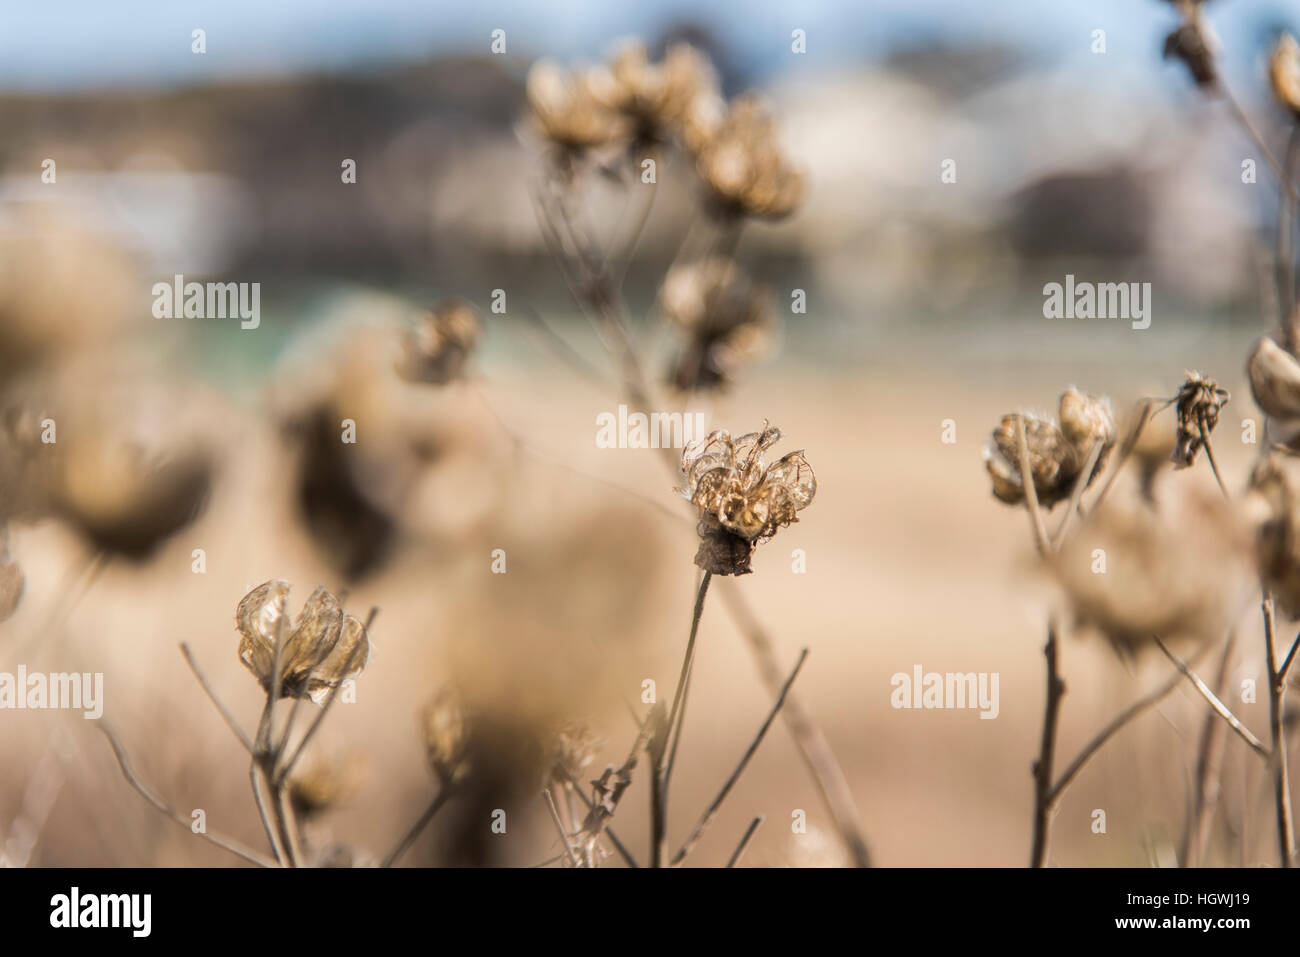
(1274, 380)
(1273, 509)
(573, 749)
(724, 318)
(566, 110)
(655, 97)
(437, 350)
(1284, 73)
(326, 784)
(446, 738)
(1057, 454)
(324, 648)
(742, 501)
(1198, 404)
(1190, 44)
(1182, 572)
(744, 168)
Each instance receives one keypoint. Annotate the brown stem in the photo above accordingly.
(1042, 768)
(1209, 764)
(712, 811)
(1277, 734)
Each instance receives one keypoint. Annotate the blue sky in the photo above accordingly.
(81, 43)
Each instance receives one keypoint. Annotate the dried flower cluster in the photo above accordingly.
(566, 111)
(1197, 406)
(1057, 453)
(1274, 377)
(743, 166)
(324, 647)
(742, 501)
(654, 97)
(724, 318)
(437, 350)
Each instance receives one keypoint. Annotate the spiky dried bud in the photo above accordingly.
(1197, 407)
(438, 348)
(744, 168)
(742, 501)
(1284, 73)
(724, 318)
(566, 110)
(324, 647)
(655, 97)
(1057, 454)
(1190, 44)
(446, 737)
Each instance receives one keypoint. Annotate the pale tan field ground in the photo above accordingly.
(909, 561)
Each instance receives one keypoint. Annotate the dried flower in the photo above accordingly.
(572, 750)
(1182, 572)
(437, 350)
(1057, 454)
(324, 648)
(1274, 380)
(326, 784)
(1190, 44)
(1273, 508)
(654, 96)
(1197, 406)
(744, 168)
(446, 740)
(566, 110)
(726, 320)
(742, 501)
(1284, 73)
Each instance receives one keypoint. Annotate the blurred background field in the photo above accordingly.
(924, 304)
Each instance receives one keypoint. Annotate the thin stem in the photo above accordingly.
(815, 750)
(609, 831)
(1209, 767)
(128, 772)
(1203, 426)
(1042, 768)
(745, 841)
(1287, 662)
(225, 712)
(1076, 494)
(1099, 740)
(256, 778)
(1219, 707)
(679, 695)
(1277, 733)
(712, 811)
(559, 826)
(1031, 492)
(409, 838)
